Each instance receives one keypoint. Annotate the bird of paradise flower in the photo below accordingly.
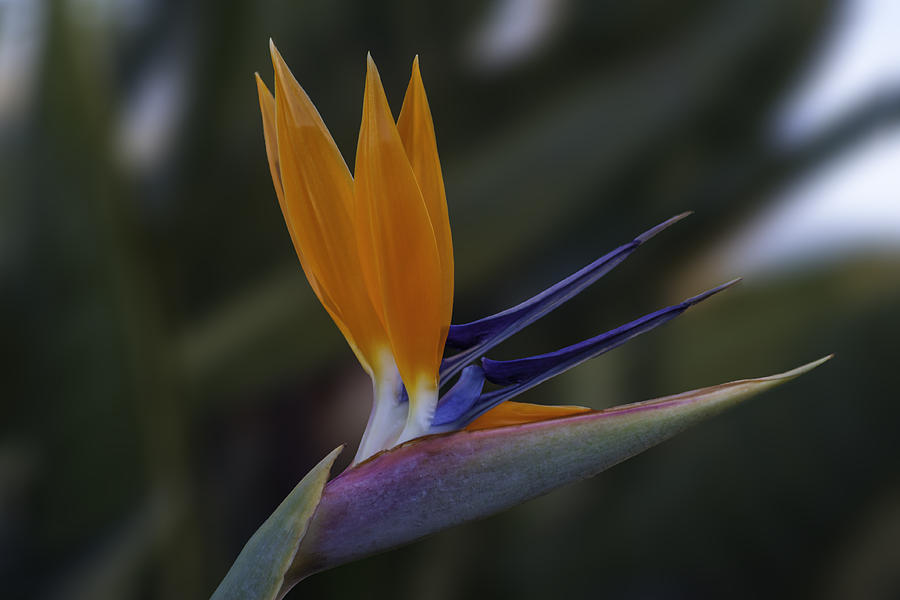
(377, 250)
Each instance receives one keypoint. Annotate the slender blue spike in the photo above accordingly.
(451, 365)
(459, 399)
(543, 366)
(477, 337)
(522, 374)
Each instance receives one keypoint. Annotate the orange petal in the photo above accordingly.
(417, 133)
(397, 243)
(267, 107)
(518, 413)
(318, 200)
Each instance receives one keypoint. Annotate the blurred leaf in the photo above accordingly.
(113, 569)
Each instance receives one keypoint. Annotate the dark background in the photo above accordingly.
(168, 376)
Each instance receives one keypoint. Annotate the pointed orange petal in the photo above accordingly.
(267, 107)
(417, 133)
(318, 198)
(518, 413)
(397, 243)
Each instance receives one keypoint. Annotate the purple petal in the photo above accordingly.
(459, 399)
(479, 336)
(525, 373)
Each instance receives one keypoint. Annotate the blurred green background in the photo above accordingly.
(169, 376)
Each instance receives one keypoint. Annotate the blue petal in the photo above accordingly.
(525, 373)
(460, 398)
(479, 336)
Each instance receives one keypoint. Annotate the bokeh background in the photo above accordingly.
(168, 376)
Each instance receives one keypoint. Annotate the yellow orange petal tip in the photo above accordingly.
(371, 69)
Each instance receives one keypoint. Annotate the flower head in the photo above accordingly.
(377, 250)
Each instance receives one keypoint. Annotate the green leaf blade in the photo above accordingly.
(258, 572)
